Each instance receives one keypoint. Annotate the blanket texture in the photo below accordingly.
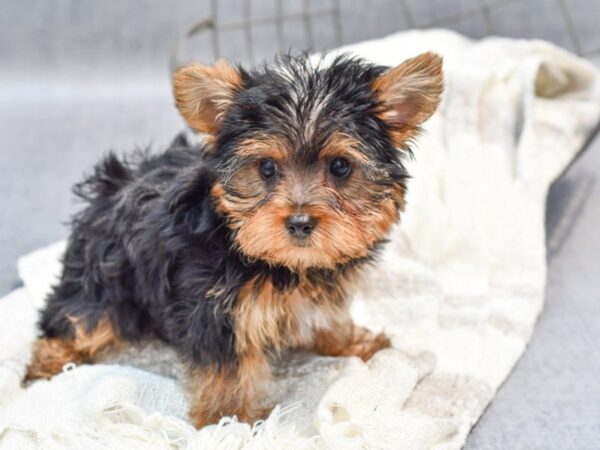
(458, 288)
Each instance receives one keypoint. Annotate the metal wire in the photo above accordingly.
(279, 19)
(303, 20)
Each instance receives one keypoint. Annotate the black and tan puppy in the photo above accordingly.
(236, 249)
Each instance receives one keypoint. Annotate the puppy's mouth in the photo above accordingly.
(302, 242)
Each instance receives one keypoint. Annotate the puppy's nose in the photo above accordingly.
(300, 225)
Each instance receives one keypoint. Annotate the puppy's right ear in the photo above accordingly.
(203, 93)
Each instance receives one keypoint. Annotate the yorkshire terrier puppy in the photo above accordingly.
(236, 249)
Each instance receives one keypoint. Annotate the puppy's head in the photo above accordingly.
(309, 158)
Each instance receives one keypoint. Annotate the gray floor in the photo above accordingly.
(79, 77)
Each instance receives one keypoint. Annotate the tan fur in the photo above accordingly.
(203, 93)
(49, 357)
(410, 94)
(341, 234)
(229, 391)
(350, 340)
(269, 319)
(51, 354)
(264, 147)
(343, 145)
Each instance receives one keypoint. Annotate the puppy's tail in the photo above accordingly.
(109, 177)
(180, 141)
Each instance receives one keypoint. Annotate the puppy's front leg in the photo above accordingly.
(348, 339)
(235, 390)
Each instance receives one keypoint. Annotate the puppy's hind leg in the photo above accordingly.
(50, 354)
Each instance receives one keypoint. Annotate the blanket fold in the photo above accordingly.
(458, 288)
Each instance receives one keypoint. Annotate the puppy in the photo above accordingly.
(236, 249)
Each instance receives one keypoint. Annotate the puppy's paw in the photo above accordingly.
(49, 358)
(365, 344)
(201, 415)
(350, 340)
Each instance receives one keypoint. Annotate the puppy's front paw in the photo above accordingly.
(201, 418)
(365, 344)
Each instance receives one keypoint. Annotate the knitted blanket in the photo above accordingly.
(458, 289)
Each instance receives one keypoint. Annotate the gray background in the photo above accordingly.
(78, 77)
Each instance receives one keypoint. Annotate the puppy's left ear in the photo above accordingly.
(203, 93)
(409, 94)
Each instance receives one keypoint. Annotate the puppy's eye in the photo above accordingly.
(340, 167)
(268, 168)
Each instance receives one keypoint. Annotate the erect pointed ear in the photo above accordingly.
(203, 93)
(409, 94)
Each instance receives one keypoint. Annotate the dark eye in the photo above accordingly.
(268, 168)
(340, 167)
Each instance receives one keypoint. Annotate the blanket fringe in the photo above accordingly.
(128, 426)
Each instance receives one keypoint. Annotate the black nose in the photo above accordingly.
(300, 225)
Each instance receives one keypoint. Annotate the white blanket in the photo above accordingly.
(458, 288)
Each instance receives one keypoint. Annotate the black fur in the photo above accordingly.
(282, 98)
(150, 245)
